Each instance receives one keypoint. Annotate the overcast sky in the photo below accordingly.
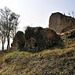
(37, 12)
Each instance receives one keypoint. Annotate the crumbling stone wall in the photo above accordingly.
(19, 40)
(61, 23)
(38, 39)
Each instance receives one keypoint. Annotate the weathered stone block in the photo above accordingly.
(61, 23)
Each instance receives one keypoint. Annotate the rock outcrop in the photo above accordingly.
(38, 39)
(61, 23)
(19, 40)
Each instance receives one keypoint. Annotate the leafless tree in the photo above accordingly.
(9, 22)
(2, 36)
(72, 13)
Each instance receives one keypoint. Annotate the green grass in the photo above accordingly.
(13, 61)
(42, 63)
(15, 55)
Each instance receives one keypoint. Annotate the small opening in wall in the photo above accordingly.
(35, 44)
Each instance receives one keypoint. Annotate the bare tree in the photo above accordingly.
(2, 36)
(72, 13)
(9, 22)
(14, 23)
(69, 14)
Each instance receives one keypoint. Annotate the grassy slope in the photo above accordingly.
(47, 62)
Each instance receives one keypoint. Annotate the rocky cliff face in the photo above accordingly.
(38, 39)
(61, 23)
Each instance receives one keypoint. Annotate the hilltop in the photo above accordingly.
(40, 51)
(53, 61)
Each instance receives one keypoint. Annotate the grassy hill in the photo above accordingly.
(48, 62)
(53, 61)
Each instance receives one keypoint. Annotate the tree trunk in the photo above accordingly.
(2, 46)
(2, 43)
(8, 42)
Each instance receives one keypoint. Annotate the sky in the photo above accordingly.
(37, 12)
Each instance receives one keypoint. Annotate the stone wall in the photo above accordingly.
(61, 23)
(19, 40)
(38, 39)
